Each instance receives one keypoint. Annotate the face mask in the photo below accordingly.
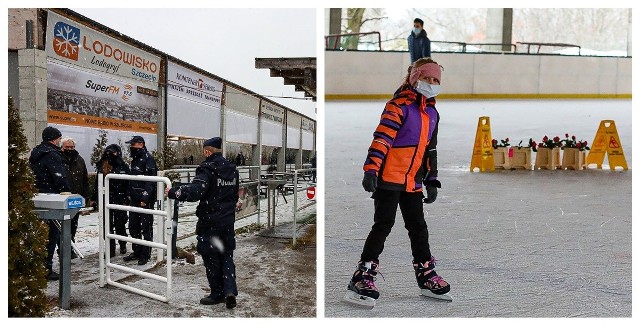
(134, 151)
(417, 31)
(428, 90)
(68, 153)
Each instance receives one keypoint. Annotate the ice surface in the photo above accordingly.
(510, 243)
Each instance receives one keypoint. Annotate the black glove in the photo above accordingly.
(369, 182)
(432, 190)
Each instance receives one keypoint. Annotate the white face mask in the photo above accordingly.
(417, 31)
(428, 90)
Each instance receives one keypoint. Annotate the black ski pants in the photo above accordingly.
(386, 204)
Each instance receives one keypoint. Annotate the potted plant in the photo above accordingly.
(520, 156)
(575, 155)
(548, 153)
(501, 153)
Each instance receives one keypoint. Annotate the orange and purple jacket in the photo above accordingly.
(402, 152)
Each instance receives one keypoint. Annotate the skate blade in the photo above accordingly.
(427, 293)
(355, 298)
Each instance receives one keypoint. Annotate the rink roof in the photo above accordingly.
(300, 72)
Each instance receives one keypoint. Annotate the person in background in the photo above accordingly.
(419, 43)
(142, 194)
(50, 172)
(111, 163)
(78, 179)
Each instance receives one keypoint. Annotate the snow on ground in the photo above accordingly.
(269, 274)
(510, 243)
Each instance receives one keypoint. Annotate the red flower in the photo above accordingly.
(494, 142)
(545, 139)
(507, 139)
(573, 137)
(556, 139)
(566, 135)
(584, 143)
(578, 145)
(540, 145)
(533, 144)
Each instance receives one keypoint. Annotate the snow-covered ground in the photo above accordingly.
(268, 270)
(510, 243)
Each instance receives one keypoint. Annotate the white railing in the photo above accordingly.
(165, 223)
(295, 199)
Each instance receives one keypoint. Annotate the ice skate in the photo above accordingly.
(431, 284)
(362, 289)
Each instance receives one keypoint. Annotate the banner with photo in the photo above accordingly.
(193, 103)
(74, 43)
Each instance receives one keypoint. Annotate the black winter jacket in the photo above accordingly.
(118, 188)
(49, 169)
(143, 164)
(216, 185)
(78, 177)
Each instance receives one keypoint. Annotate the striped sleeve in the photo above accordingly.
(390, 122)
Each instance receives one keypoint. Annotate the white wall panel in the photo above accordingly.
(240, 128)
(307, 140)
(192, 119)
(293, 137)
(271, 133)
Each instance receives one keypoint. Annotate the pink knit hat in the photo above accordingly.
(426, 70)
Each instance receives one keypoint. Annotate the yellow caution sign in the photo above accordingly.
(607, 141)
(482, 156)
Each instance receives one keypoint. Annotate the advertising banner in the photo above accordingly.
(193, 103)
(76, 44)
(272, 112)
(79, 98)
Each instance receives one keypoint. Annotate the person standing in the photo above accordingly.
(216, 186)
(142, 194)
(401, 159)
(111, 162)
(50, 171)
(78, 179)
(419, 43)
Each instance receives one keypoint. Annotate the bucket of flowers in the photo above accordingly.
(521, 155)
(501, 157)
(575, 153)
(548, 153)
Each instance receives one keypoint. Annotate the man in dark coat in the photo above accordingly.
(419, 43)
(216, 186)
(78, 179)
(50, 171)
(142, 195)
(111, 162)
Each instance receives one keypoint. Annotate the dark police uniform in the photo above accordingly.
(111, 162)
(216, 185)
(141, 225)
(50, 171)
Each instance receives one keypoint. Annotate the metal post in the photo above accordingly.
(174, 223)
(101, 228)
(295, 204)
(64, 289)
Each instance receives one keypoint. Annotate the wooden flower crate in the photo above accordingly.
(573, 158)
(501, 158)
(548, 159)
(520, 158)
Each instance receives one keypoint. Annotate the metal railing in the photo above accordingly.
(336, 38)
(295, 199)
(105, 255)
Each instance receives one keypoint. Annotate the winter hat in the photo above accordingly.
(426, 70)
(135, 139)
(113, 148)
(50, 133)
(214, 142)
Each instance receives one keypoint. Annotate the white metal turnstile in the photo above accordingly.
(164, 216)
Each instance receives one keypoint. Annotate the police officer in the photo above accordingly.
(111, 162)
(142, 195)
(49, 168)
(216, 185)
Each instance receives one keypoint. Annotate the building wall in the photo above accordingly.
(349, 75)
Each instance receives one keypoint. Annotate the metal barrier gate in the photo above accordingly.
(105, 254)
(295, 199)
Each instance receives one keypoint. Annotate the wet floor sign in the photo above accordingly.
(482, 157)
(607, 141)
